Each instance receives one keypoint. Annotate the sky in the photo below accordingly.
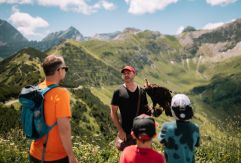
(35, 19)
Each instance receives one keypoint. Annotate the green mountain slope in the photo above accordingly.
(84, 68)
(223, 91)
(157, 57)
(19, 70)
(24, 68)
(136, 49)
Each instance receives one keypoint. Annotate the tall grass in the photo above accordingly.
(220, 141)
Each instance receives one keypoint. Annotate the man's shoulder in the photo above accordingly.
(121, 90)
(120, 87)
(60, 90)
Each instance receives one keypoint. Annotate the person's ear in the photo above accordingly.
(133, 135)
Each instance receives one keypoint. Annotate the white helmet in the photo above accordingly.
(181, 107)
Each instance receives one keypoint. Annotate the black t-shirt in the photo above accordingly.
(127, 103)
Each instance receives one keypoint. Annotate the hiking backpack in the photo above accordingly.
(32, 111)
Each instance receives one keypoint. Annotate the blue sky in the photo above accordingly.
(37, 18)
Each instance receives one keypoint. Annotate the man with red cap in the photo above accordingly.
(131, 100)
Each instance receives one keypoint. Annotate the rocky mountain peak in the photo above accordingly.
(126, 32)
(9, 34)
(70, 33)
(131, 30)
(106, 36)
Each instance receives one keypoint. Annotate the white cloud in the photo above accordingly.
(180, 29)
(107, 5)
(220, 2)
(210, 26)
(79, 6)
(16, 1)
(27, 24)
(139, 7)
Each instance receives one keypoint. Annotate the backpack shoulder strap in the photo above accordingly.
(139, 100)
(47, 135)
(49, 88)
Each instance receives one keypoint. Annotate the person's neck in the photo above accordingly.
(131, 86)
(52, 79)
(147, 144)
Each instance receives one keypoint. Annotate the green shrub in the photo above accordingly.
(9, 119)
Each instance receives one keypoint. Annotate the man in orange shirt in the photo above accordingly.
(56, 109)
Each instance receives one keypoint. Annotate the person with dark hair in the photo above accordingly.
(180, 137)
(144, 130)
(56, 109)
(131, 100)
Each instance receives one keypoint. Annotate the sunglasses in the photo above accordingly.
(65, 68)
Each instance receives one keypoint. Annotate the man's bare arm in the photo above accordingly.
(65, 136)
(116, 121)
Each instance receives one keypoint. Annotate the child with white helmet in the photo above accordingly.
(180, 137)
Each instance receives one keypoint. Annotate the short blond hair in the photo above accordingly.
(51, 63)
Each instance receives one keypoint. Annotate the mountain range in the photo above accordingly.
(16, 41)
(9, 34)
(182, 62)
(204, 64)
(224, 40)
(194, 50)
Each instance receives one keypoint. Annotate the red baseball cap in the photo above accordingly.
(130, 68)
